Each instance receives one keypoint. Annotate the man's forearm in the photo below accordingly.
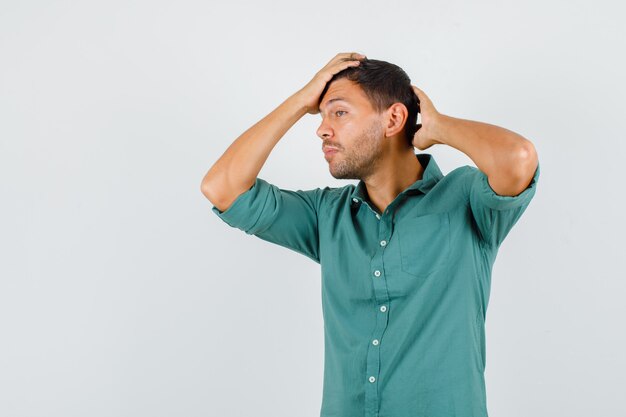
(508, 159)
(237, 169)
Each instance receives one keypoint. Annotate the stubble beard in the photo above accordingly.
(364, 156)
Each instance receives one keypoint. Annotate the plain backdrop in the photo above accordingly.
(122, 294)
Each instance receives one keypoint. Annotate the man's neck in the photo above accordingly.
(395, 176)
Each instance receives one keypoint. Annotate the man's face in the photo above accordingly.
(352, 126)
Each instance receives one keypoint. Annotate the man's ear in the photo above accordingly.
(396, 116)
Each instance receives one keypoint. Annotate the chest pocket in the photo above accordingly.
(424, 243)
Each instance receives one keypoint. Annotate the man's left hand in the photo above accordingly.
(425, 137)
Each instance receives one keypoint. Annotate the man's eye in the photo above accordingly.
(339, 111)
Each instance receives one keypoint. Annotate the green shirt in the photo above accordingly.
(404, 292)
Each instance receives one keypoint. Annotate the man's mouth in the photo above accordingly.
(329, 150)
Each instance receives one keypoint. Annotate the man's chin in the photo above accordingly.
(335, 175)
(342, 176)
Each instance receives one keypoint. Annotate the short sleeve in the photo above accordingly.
(494, 214)
(284, 217)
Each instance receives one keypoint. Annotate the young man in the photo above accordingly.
(406, 255)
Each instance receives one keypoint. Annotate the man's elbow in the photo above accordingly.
(212, 196)
(221, 193)
(521, 171)
(210, 191)
(527, 162)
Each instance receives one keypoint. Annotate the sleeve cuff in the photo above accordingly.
(503, 202)
(238, 214)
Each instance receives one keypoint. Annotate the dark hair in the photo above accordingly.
(384, 84)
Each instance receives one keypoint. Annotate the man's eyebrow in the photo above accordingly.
(334, 99)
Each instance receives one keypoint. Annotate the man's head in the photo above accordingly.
(364, 109)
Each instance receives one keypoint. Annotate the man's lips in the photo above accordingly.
(329, 150)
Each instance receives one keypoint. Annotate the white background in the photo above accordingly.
(122, 294)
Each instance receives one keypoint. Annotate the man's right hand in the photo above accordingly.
(310, 93)
(236, 170)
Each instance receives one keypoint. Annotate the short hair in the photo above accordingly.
(384, 84)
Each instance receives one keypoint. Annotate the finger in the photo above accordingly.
(342, 60)
(421, 96)
(343, 56)
(348, 63)
(349, 56)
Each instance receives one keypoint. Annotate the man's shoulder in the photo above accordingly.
(458, 178)
(462, 172)
(322, 191)
(332, 194)
(321, 196)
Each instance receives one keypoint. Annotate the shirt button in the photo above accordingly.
(378, 216)
(356, 200)
(375, 342)
(383, 242)
(372, 379)
(383, 308)
(377, 273)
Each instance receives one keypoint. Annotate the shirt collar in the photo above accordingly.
(432, 175)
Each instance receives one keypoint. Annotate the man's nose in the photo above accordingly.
(324, 131)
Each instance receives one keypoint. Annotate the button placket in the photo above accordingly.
(381, 303)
